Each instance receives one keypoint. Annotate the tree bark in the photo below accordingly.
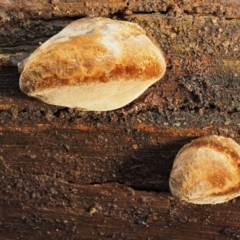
(68, 174)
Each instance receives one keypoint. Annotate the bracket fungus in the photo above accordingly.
(207, 171)
(95, 64)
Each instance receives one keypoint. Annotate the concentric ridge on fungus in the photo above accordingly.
(207, 171)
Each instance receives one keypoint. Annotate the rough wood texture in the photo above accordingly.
(67, 174)
(192, 22)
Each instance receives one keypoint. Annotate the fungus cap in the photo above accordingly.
(207, 171)
(93, 64)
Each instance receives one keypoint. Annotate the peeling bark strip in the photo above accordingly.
(207, 34)
(178, 34)
(46, 8)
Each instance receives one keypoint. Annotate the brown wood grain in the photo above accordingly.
(96, 182)
(68, 174)
(120, 213)
(51, 177)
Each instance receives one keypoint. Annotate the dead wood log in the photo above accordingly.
(67, 174)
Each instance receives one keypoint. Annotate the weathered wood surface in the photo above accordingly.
(59, 165)
(46, 8)
(178, 26)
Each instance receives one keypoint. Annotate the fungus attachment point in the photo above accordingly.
(94, 64)
(207, 171)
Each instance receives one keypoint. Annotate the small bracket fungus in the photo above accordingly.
(207, 171)
(94, 64)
